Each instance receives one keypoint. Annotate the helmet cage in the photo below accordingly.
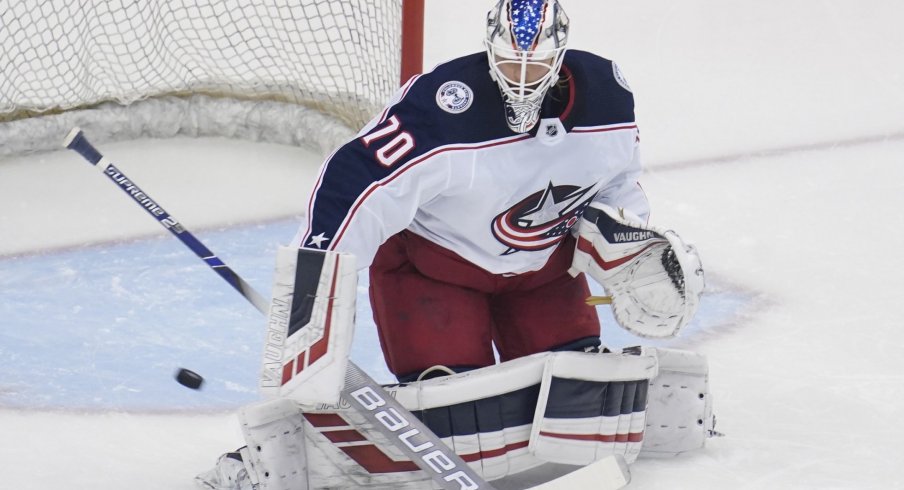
(525, 53)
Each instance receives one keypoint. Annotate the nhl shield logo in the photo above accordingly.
(454, 97)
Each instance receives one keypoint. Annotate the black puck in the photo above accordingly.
(189, 379)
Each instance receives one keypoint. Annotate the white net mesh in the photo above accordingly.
(340, 57)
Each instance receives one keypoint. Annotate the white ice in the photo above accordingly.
(774, 138)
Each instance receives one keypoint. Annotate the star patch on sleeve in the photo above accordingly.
(317, 240)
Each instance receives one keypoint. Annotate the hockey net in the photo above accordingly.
(258, 69)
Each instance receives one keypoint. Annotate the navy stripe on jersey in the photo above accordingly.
(417, 119)
(410, 165)
(335, 205)
(599, 100)
(415, 126)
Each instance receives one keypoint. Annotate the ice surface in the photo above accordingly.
(774, 137)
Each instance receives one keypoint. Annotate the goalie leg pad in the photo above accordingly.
(486, 416)
(679, 410)
(565, 407)
(275, 455)
(591, 406)
(508, 418)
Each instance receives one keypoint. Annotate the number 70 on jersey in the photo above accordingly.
(398, 145)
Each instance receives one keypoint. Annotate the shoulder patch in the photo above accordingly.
(454, 97)
(620, 78)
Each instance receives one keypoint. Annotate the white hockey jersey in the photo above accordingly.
(441, 162)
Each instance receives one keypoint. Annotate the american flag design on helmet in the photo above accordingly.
(526, 17)
(525, 44)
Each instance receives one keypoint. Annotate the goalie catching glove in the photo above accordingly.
(653, 277)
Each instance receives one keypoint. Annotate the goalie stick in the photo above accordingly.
(76, 141)
(437, 460)
(417, 442)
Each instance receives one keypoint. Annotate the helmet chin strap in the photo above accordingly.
(521, 116)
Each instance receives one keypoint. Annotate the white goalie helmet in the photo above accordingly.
(525, 45)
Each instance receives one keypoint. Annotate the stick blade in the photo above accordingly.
(609, 473)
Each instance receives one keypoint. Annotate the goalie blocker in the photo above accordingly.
(653, 277)
(310, 325)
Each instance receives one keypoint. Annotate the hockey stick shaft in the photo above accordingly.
(442, 464)
(76, 141)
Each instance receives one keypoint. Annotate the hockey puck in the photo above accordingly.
(189, 379)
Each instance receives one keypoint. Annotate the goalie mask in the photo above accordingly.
(525, 45)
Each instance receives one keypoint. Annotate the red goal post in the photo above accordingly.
(221, 65)
(412, 38)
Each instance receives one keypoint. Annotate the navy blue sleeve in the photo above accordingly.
(602, 97)
(412, 129)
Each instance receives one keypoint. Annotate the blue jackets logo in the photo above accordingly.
(542, 219)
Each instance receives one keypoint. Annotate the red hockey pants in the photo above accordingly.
(433, 307)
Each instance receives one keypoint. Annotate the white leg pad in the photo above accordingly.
(565, 407)
(591, 406)
(679, 405)
(275, 456)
